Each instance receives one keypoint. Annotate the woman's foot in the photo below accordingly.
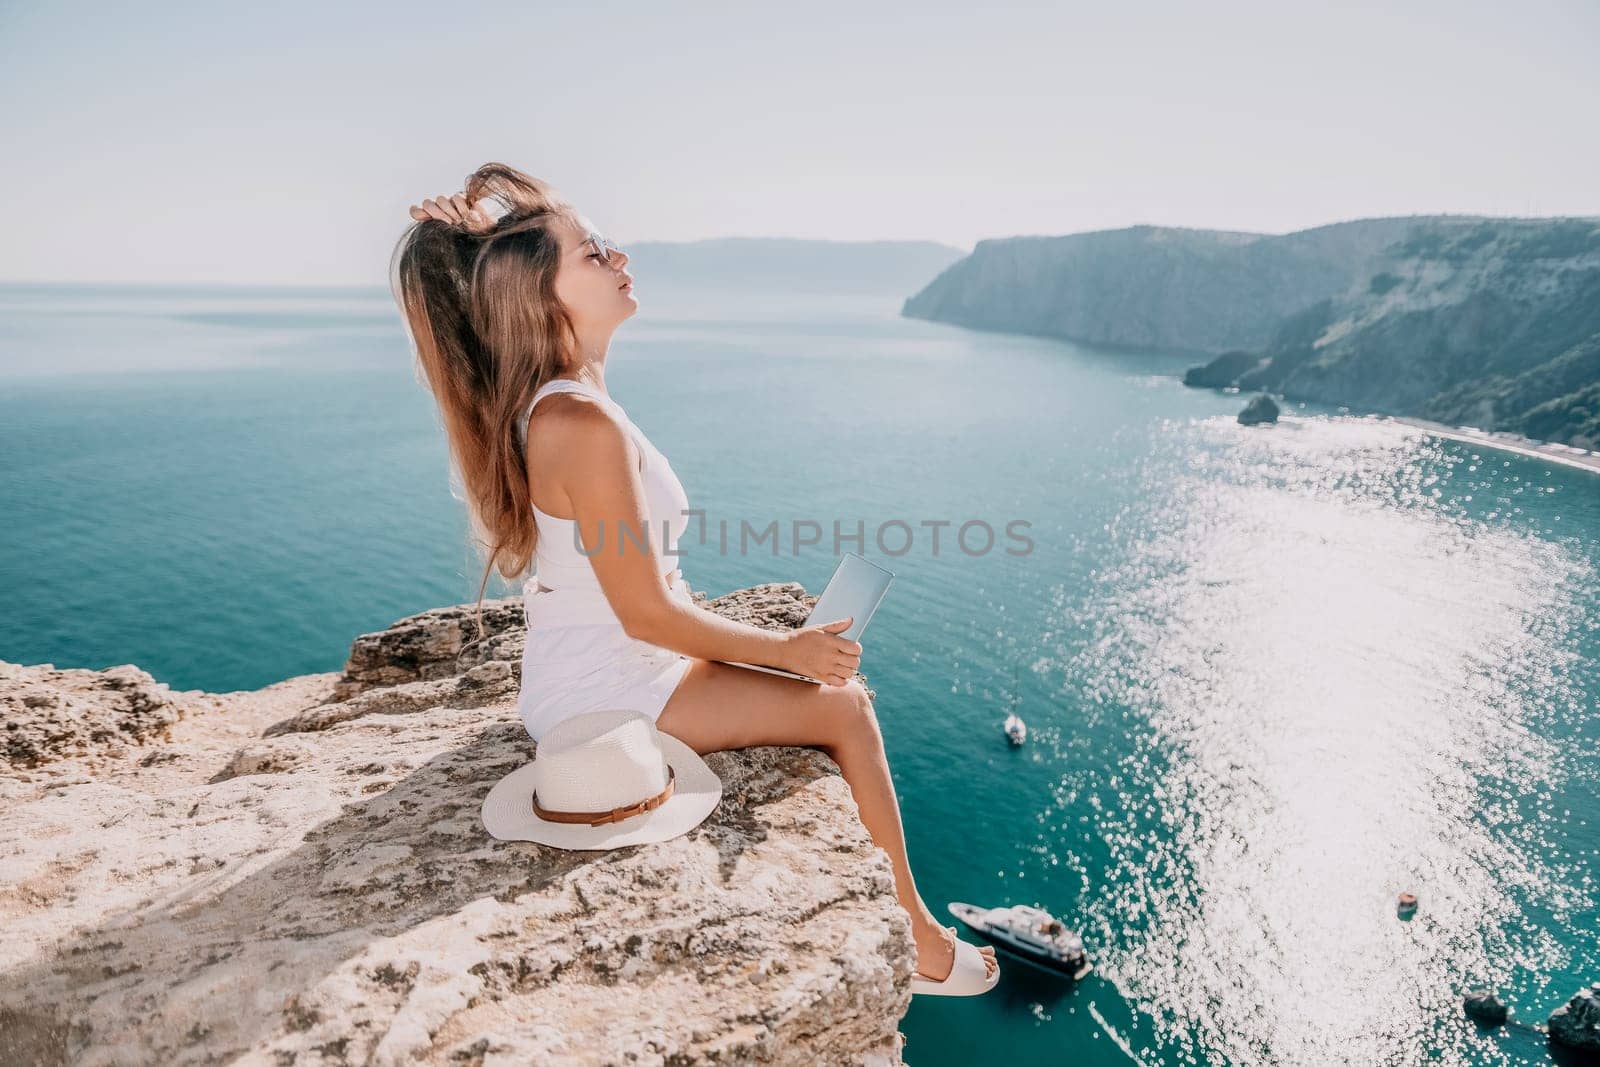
(936, 951)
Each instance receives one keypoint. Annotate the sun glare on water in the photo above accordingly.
(1318, 678)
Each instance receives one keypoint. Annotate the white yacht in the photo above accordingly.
(1031, 933)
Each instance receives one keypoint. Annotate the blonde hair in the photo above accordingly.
(489, 330)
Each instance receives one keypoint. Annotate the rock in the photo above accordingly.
(1483, 1006)
(1576, 1024)
(1222, 371)
(433, 645)
(316, 885)
(1260, 409)
(51, 713)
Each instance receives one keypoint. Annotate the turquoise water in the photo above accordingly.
(1272, 676)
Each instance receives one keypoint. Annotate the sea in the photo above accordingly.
(1272, 676)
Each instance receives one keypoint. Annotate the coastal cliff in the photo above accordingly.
(1160, 287)
(1492, 323)
(1464, 320)
(299, 874)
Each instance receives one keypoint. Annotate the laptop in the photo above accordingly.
(855, 590)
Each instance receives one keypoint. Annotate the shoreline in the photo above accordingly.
(1508, 442)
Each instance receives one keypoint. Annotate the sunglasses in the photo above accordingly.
(602, 247)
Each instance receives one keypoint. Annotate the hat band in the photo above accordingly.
(597, 818)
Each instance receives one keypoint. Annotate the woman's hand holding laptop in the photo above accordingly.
(824, 653)
(819, 652)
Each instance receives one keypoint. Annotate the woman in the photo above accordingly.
(512, 313)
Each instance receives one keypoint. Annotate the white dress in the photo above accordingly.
(578, 657)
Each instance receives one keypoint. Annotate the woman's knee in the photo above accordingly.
(860, 718)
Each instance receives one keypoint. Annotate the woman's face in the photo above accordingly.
(598, 295)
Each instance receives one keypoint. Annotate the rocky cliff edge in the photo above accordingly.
(298, 874)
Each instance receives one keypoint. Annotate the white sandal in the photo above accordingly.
(968, 975)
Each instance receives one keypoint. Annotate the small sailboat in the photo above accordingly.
(1016, 730)
(1030, 933)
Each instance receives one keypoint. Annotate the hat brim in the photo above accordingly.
(508, 809)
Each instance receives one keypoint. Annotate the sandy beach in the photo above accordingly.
(1509, 442)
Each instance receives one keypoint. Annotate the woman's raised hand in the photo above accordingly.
(455, 210)
(819, 652)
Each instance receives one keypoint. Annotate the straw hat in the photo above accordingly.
(602, 780)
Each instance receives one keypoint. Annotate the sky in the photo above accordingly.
(284, 142)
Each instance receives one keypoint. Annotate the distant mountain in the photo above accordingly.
(1489, 322)
(793, 264)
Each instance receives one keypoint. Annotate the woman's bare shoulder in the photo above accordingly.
(573, 435)
(567, 419)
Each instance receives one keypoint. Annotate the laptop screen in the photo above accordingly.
(856, 588)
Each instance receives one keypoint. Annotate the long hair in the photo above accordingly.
(488, 330)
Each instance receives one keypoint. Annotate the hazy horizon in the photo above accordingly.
(284, 145)
(967, 250)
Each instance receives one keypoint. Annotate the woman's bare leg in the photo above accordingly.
(717, 707)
